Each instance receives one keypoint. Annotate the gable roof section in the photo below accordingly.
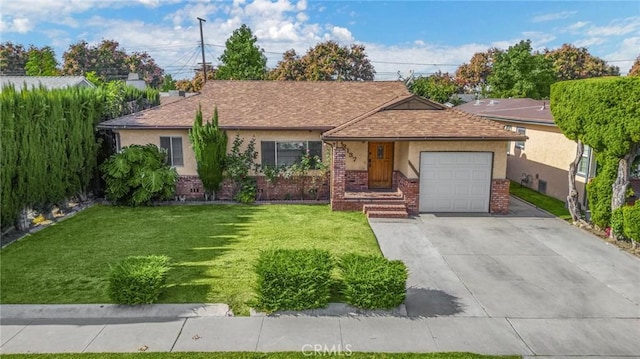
(270, 105)
(49, 82)
(387, 122)
(519, 110)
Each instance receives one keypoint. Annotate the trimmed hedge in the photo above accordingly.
(631, 215)
(138, 279)
(293, 279)
(373, 282)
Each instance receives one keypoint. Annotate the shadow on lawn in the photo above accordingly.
(192, 270)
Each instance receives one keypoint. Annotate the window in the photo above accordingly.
(583, 166)
(285, 153)
(508, 128)
(520, 131)
(542, 186)
(173, 146)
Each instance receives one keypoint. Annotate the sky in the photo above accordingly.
(399, 36)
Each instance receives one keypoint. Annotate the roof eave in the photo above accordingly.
(425, 138)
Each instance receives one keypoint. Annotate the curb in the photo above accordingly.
(107, 311)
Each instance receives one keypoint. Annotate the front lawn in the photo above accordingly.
(547, 203)
(212, 248)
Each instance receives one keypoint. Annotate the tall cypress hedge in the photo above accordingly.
(48, 148)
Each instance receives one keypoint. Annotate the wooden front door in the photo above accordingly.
(380, 164)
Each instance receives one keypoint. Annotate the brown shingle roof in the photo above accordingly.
(270, 105)
(437, 124)
(511, 109)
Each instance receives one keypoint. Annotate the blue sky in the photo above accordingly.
(423, 36)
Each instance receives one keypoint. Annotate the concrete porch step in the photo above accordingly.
(388, 214)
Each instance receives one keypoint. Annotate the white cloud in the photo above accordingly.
(553, 16)
(21, 25)
(625, 54)
(589, 42)
(190, 13)
(578, 25)
(341, 34)
(617, 27)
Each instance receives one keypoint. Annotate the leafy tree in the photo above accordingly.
(142, 63)
(326, 61)
(41, 62)
(239, 164)
(139, 175)
(635, 69)
(438, 87)
(518, 72)
(573, 63)
(110, 62)
(210, 147)
(168, 83)
(13, 59)
(242, 59)
(196, 83)
(602, 113)
(474, 76)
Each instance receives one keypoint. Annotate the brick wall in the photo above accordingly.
(356, 180)
(338, 176)
(499, 196)
(411, 190)
(190, 187)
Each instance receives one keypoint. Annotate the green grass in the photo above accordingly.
(212, 250)
(246, 355)
(549, 204)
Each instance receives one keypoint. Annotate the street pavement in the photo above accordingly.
(526, 284)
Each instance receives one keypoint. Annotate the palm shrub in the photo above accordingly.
(372, 282)
(139, 175)
(138, 279)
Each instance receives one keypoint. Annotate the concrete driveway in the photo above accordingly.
(539, 281)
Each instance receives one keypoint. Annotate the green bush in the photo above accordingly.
(617, 222)
(138, 279)
(631, 216)
(599, 191)
(372, 282)
(293, 279)
(139, 175)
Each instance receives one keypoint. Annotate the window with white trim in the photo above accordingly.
(173, 147)
(583, 166)
(520, 131)
(285, 153)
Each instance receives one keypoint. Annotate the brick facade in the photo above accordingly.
(356, 181)
(338, 177)
(499, 203)
(190, 188)
(411, 190)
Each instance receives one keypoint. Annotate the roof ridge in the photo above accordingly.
(375, 110)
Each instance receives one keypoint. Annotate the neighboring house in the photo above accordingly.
(542, 163)
(49, 82)
(386, 145)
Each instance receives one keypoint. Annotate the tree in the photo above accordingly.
(41, 62)
(196, 83)
(326, 61)
(602, 113)
(142, 63)
(110, 62)
(635, 69)
(473, 77)
(242, 59)
(168, 83)
(13, 58)
(438, 87)
(573, 63)
(518, 72)
(210, 147)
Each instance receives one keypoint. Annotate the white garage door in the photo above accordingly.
(455, 181)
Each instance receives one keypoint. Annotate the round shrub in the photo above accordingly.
(138, 279)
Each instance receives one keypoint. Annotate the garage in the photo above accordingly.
(455, 181)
